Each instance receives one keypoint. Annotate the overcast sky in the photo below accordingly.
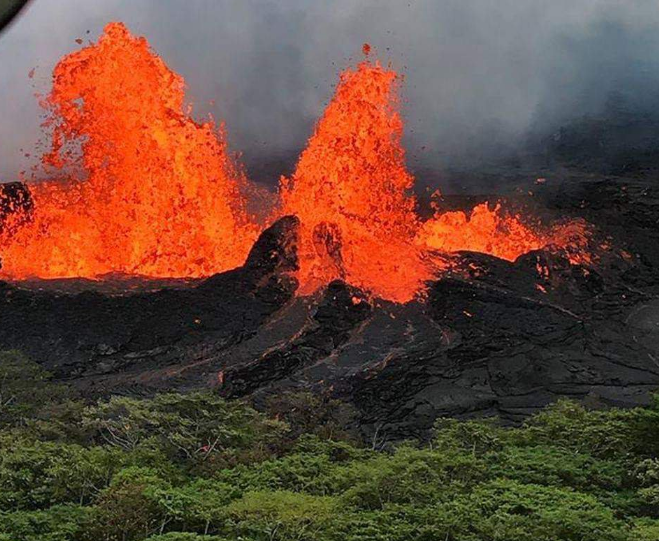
(476, 71)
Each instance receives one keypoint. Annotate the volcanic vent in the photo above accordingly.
(343, 289)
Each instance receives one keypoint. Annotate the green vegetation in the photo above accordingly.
(197, 468)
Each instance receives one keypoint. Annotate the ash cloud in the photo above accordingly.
(480, 76)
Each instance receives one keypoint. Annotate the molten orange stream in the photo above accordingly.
(161, 196)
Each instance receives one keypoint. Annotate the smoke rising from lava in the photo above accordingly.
(479, 74)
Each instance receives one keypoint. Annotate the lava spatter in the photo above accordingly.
(489, 230)
(351, 191)
(160, 197)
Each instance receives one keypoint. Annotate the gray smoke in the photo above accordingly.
(479, 74)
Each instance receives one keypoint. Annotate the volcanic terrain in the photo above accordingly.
(149, 272)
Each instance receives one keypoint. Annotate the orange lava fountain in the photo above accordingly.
(350, 191)
(161, 197)
(359, 223)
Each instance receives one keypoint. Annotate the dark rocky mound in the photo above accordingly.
(104, 342)
(492, 338)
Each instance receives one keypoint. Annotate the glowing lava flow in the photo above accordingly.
(161, 197)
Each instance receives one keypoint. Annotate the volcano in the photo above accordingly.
(141, 188)
(137, 266)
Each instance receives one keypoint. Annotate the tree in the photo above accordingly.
(25, 388)
(195, 427)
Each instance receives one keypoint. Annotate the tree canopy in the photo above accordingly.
(195, 467)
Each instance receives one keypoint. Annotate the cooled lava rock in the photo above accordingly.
(85, 336)
(492, 337)
(341, 309)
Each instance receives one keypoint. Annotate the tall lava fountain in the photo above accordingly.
(351, 192)
(161, 196)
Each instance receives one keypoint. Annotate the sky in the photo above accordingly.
(479, 74)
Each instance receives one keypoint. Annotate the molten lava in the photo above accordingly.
(161, 196)
(492, 232)
(359, 223)
(149, 191)
(350, 191)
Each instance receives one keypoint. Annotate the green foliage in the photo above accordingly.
(196, 427)
(58, 523)
(194, 467)
(645, 530)
(35, 475)
(129, 509)
(280, 515)
(559, 467)
(25, 389)
(308, 413)
(182, 536)
(528, 512)
(602, 433)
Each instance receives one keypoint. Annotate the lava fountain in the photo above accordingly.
(160, 195)
(148, 191)
(351, 192)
